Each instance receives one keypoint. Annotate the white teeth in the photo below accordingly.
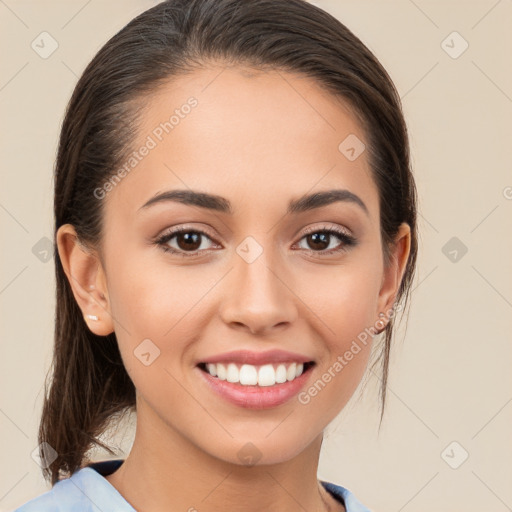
(250, 375)
(211, 369)
(290, 373)
(221, 371)
(232, 373)
(266, 375)
(281, 374)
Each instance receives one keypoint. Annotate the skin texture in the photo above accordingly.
(258, 139)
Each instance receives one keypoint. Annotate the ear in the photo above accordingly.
(87, 279)
(394, 272)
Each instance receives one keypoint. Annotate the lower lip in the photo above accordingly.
(256, 397)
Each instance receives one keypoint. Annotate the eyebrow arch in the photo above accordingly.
(222, 205)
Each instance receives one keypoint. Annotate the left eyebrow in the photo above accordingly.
(325, 198)
(222, 205)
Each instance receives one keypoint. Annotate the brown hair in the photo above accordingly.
(89, 385)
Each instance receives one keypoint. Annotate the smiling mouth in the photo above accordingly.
(256, 375)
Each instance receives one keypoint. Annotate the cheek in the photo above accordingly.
(343, 309)
(158, 303)
(147, 298)
(344, 299)
(345, 320)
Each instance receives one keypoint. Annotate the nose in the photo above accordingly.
(257, 297)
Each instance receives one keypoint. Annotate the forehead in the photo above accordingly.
(252, 136)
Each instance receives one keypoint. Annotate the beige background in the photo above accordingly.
(450, 375)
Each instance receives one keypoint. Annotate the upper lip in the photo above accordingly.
(257, 358)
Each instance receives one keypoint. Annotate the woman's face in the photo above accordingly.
(265, 284)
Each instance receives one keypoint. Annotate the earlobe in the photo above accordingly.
(86, 278)
(393, 274)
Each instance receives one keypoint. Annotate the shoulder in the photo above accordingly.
(84, 491)
(57, 499)
(342, 494)
(43, 503)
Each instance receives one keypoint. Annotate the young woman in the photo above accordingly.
(235, 222)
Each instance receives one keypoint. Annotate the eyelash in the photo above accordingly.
(346, 239)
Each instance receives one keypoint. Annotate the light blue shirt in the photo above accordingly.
(88, 491)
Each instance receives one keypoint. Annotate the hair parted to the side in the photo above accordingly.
(87, 384)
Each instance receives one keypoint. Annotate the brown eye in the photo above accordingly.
(188, 241)
(319, 240)
(184, 242)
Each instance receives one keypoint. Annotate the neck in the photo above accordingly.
(165, 471)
